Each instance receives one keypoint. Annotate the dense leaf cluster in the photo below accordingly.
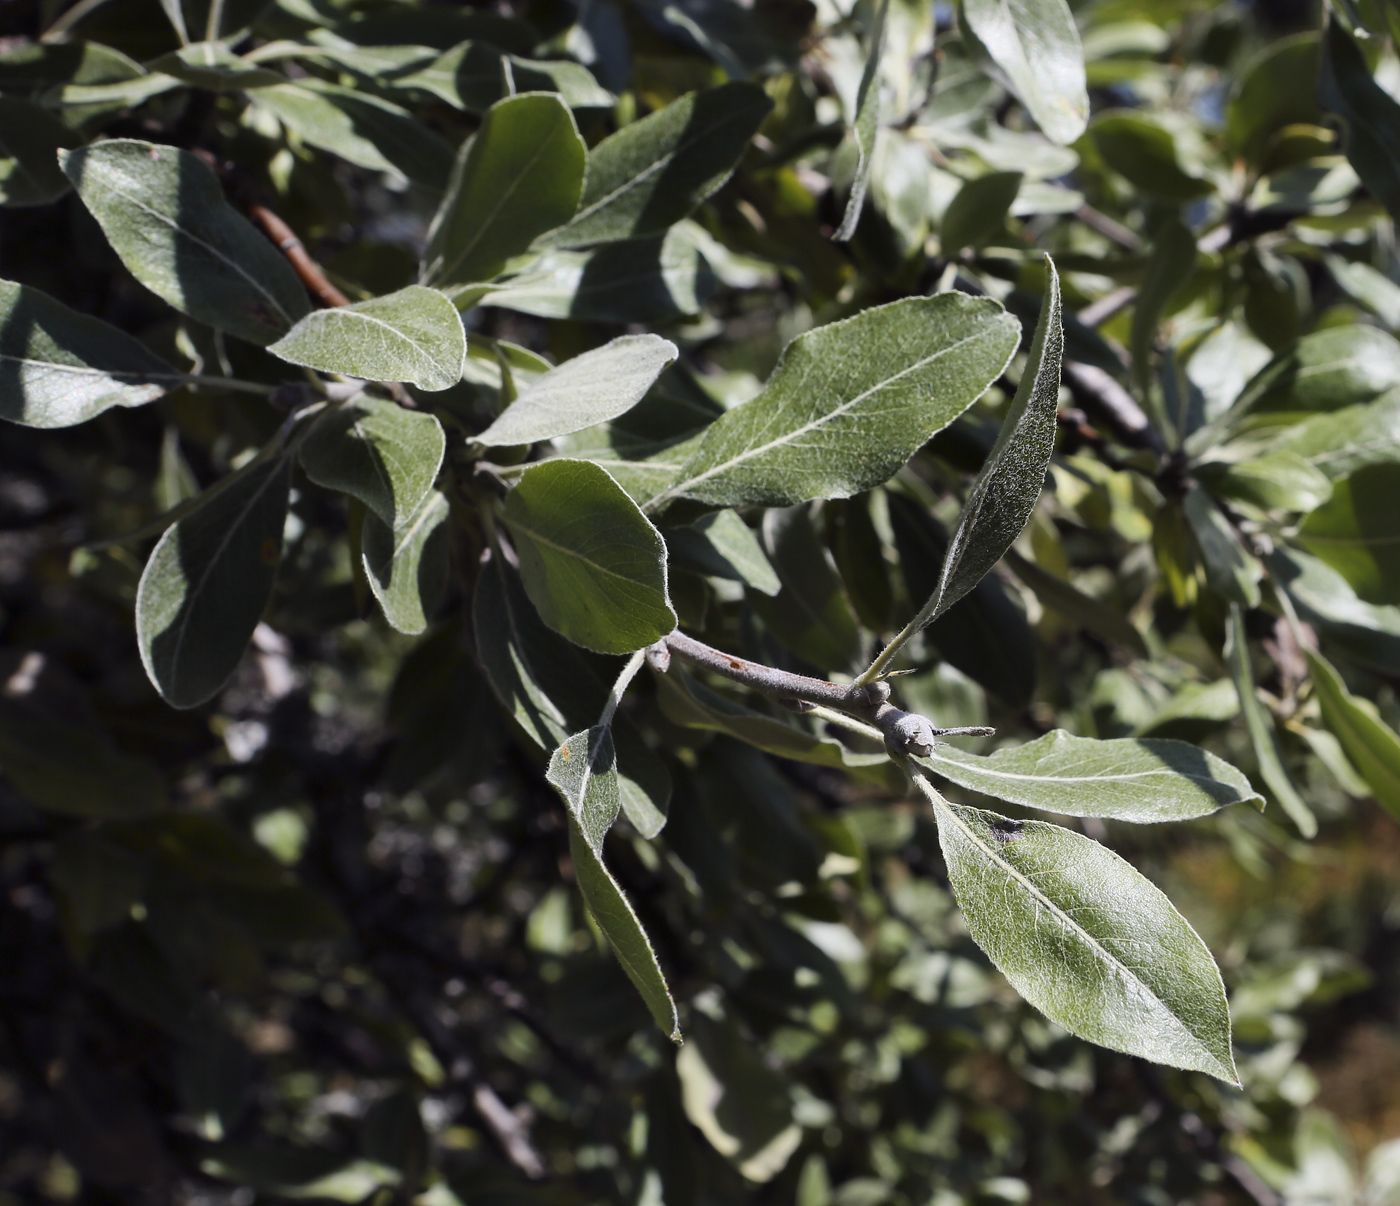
(537, 533)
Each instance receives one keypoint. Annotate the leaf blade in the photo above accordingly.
(414, 335)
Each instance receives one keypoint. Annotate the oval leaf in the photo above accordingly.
(584, 772)
(59, 367)
(1357, 532)
(589, 389)
(414, 335)
(865, 127)
(1009, 485)
(1368, 741)
(653, 172)
(165, 215)
(850, 402)
(1260, 727)
(1325, 371)
(1087, 939)
(207, 582)
(1145, 780)
(1369, 113)
(517, 178)
(592, 563)
(1036, 43)
(376, 451)
(616, 918)
(407, 565)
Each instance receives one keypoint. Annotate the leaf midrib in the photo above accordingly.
(1111, 778)
(812, 425)
(946, 810)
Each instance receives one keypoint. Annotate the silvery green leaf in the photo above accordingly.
(1093, 614)
(653, 172)
(164, 213)
(865, 125)
(472, 76)
(592, 563)
(1260, 727)
(1357, 531)
(1370, 115)
(1145, 780)
(1231, 569)
(213, 66)
(30, 136)
(1007, 489)
(518, 177)
(1364, 284)
(59, 367)
(978, 212)
(850, 402)
(1036, 43)
(407, 564)
(584, 772)
(640, 280)
(1169, 268)
(723, 545)
(414, 335)
(208, 581)
(1343, 441)
(378, 452)
(360, 128)
(1369, 742)
(1324, 371)
(1368, 634)
(619, 923)
(1279, 479)
(589, 389)
(1087, 939)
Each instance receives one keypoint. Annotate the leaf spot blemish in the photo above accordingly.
(1006, 832)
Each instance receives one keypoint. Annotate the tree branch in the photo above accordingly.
(312, 276)
(904, 732)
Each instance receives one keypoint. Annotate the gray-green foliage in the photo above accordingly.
(699, 349)
(62, 368)
(164, 213)
(849, 403)
(414, 335)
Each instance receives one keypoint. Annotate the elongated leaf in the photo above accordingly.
(472, 76)
(361, 128)
(1087, 939)
(865, 125)
(1071, 602)
(1036, 43)
(1146, 780)
(376, 451)
(1340, 443)
(1230, 568)
(1367, 634)
(725, 546)
(810, 614)
(584, 772)
(1261, 727)
(653, 172)
(1006, 491)
(978, 212)
(30, 137)
(593, 565)
(850, 402)
(1170, 267)
(207, 582)
(407, 565)
(59, 367)
(517, 178)
(414, 335)
(549, 689)
(165, 216)
(591, 388)
(642, 280)
(1369, 742)
(618, 921)
(1324, 371)
(1146, 152)
(212, 65)
(1357, 532)
(1278, 480)
(1369, 113)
